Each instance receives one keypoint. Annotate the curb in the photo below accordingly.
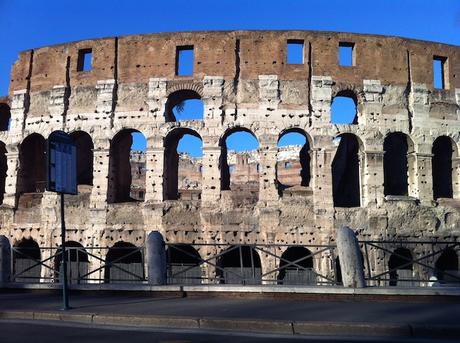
(244, 325)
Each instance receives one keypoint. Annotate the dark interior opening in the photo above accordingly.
(32, 173)
(395, 164)
(442, 168)
(85, 148)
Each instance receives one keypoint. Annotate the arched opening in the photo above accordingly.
(344, 108)
(77, 262)
(26, 258)
(296, 267)
(124, 263)
(5, 117)
(182, 165)
(183, 263)
(183, 105)
(32, 160)
(3, 170)
(446, 266)
(127, 167)
(85, 147)
(239, 165)
(396, 167)
(293, 160)
(442, 168)
(345, 172)
(239, 265)
(400, 266)
(338, 271)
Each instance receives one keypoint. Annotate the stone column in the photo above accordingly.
(322, 156)
(101, 159)
(373, 177)
(210, 182)
(156, 259)
(351, 263)
(321, 98)
(268, 151)
(11, 181)
(154, 170)
(422, 175)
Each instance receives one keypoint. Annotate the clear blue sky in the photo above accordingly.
(26, 24)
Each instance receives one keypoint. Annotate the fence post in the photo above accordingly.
(5, 256)
(156, 258)
(351, 258)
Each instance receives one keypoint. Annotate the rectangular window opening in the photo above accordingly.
(440, 72)
(184, 60)
(85, 60)
(295, 51)
(346, 55)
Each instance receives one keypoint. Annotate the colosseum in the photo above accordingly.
(392, 173)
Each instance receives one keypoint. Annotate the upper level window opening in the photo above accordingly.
(346, 54)
(440, 72)
(295, 50)
(85, 60)
(344, 110)
(287, 165)
(184, 60)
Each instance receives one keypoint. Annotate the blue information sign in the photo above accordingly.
(62, 163)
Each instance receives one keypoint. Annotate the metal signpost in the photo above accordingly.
(61, 178)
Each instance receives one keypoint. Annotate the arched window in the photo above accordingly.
(293, 160)
(345, 172)
(239, 265)
(239, 163)
(26, 258)
(183, 263)
(127, 167)
(182, 161)
(5, 117)
(343, 108)
(442, 167)
(124, 263)
(396, 167)
(85, 148)
(400, 266)
(32, 173)
(184, 105)
(77, 262)
(447, 266)
(296, 267)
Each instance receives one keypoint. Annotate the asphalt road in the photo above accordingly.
(49, 332)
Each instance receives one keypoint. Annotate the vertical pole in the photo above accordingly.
(65, 290)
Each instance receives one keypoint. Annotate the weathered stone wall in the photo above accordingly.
(244, 81)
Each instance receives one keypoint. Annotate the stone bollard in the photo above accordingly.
(351, 260)
(5, 259)
(156, 258)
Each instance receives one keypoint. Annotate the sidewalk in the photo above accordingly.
(269, 315)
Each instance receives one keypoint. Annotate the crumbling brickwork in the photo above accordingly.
(245, 83)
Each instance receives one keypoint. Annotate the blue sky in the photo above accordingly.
(29, 24)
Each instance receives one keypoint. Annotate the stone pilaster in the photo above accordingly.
(373, 190)
(106, 96)
(422, 178)
(267, 169)
(372, 105)
(156, 98)
(12, 158)
(101, 160)
(213, 88)
(154, 170)
(419, 104)
(19, 108)
(269, 94)
(210, 192)
(321, 98)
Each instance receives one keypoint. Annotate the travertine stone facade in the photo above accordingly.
(246, 84)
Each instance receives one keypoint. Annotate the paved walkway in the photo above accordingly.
(393, 318)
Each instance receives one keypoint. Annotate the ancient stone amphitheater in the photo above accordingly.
(392, 174)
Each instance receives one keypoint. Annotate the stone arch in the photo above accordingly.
(183, 262)
(120, 168)
(397, 163)
(443, 151)
(124, 263)
(223, 163)
(5, 117)
(178, 95)
(77, 261)
(171, 162)
(446, 266)
(400, 266)
(296, 267)
(26, 256)
(304, 161)
(85, 148)
(239, 265)
(32, 161)
(346, 174)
